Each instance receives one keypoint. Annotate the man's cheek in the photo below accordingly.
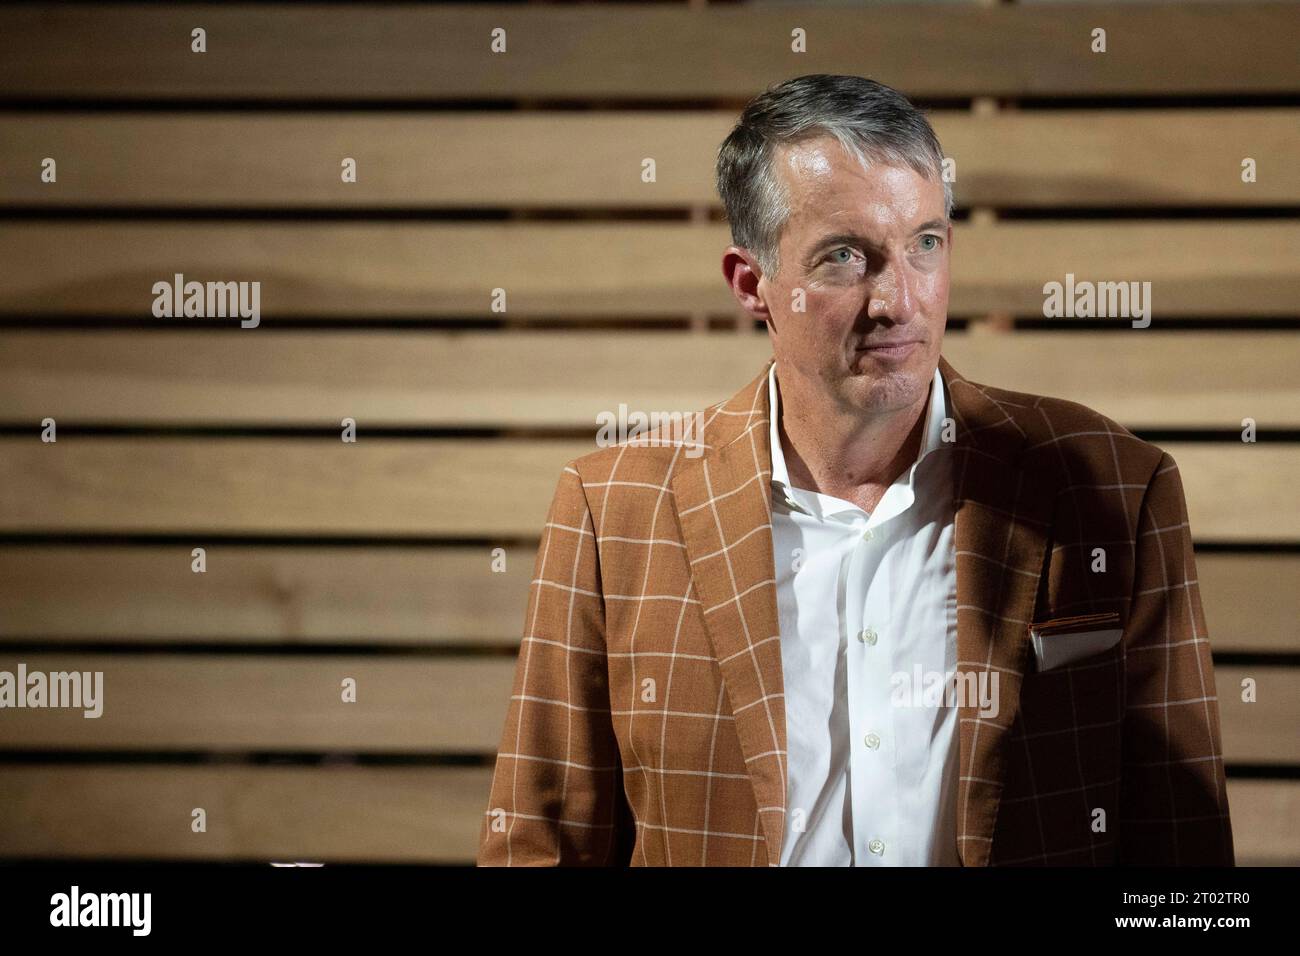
(936, 284)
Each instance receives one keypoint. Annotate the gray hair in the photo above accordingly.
(873, 122)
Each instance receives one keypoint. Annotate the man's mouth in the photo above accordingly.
(890, 350)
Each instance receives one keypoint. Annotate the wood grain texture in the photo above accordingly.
(315, 814)
(518, 379)
(413, 705)
(293, 486)
(1236, 492)
(426, 596)
(545, 159)
(1262, 731)
(334, 813)
(412, 53)
(245, 702)
(1208, 268)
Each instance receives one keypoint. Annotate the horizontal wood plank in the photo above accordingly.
(334, 813)
(1262, 731)
(1141, 378)
(417, 596)
(1238, 620)
(548, 159)
(442, 596)
(1236, 492)
(638, 270)
(1261, 811)
(1130, 157)
(294, 486)
(423, 53)
(348, 814)
(408, 704)
(1212, 473)
(246, 702)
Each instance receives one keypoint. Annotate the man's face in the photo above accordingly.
(870, 251)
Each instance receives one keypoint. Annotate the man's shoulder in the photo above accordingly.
(1076, 437)
(663, 443)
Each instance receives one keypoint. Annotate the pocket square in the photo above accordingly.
(1064, 640)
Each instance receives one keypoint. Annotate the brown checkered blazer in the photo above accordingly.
(647, 724)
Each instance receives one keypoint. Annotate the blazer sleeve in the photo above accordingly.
(557, 794)
(1173, 794)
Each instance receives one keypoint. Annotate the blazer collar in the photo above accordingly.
(931, 427)
(1002, 517)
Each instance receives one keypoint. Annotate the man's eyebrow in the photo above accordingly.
(931, 224)
(837, 238)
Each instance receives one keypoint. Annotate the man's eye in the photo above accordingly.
(842, 262)
(936, 241)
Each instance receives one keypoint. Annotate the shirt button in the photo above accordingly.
(868, 636)
(877, 847)
(868, 535)
(872, 740)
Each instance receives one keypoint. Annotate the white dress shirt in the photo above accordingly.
(867, 605)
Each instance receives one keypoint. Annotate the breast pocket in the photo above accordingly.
(1064, 641)
(1071, 712)
(1079, 674)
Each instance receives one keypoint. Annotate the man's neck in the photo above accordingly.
(845, 452)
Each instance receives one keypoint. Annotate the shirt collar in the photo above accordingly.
(932, 431)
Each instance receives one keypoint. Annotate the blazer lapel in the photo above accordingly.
(723, 502)
(1001, 536)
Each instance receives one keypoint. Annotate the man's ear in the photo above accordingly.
(740, 269)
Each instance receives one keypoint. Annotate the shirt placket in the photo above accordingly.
(874, 808)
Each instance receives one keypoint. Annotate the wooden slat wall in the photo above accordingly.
(378, 560)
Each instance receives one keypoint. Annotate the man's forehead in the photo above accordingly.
(822, 173)
(813, 158)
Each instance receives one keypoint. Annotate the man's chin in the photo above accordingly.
(872, 388)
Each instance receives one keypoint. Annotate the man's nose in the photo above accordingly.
(892, 295)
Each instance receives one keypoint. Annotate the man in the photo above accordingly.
(890, 616)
